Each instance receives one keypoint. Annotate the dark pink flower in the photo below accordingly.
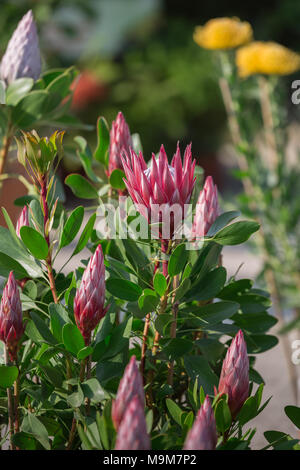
(130, 385)
(203, 435)
(120, 140)
(90, 296)
(22, 56)
(161, 185)
(11, 319)
(234, 379)
(132, 433)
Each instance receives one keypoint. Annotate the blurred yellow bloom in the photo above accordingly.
(223, 33)
(266, 58)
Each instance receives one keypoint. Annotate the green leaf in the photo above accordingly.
(93, 390)
(119, 339)
(29, 109)
(76, 398)
(58, 318)
(35, 242)
(223, 416)
(43, 329)
(10, 225)
(81, 187)
(85, 235)
(160, 284)
(9, 247)
(198, 367)
(178, 260)
(222, 221)
(212, 314)
(123, 289)
(116, 179)
(293, 412)
(8, 264)
(177, 348)
(260, 343)
(32, 425)
(86, 157)
(101, 152)
(25, 441)
(85, 352)
(71, 227)
(72, 338)
(207, 259)
(174, 410)
(17, 90)
(8, 375)
(148, 301)
(236, 233)
(208, 287)
(248, 410)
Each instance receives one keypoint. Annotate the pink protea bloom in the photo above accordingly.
(90, 296)
(130, 385)
(234, 379)
(132, 433)
(11, 319)
(207, 209)
(161, 185)
(203, 435)
(22, 221)
(22, 57)
(120, 140)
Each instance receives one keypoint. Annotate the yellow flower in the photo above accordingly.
(266, 58)
(223, 33)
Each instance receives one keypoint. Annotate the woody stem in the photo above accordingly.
(43, 192)
(10, 406)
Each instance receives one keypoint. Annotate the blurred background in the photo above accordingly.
(138, 56)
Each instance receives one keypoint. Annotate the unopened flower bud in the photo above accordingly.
(22, 57)
(234, 379)
(130, 385)
(11, 319)
(132, 433)
(207, 209)
(23, 220)
(203, 435)
(120, 140)
(90, 296)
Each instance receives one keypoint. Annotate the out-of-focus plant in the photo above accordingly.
(270, 181)
(28, 97)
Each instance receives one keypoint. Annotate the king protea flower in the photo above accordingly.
(22, 221)
(160, 186)
(207, 209)
(11, 319)
(22, 57)
(203, 435)
(234, 379)
(132, 433)
(120, 140)
(130, 385)
(90, 296)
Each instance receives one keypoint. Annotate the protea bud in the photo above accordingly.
(156, 189)
(22, 57)
(120, 140)
(130, 385)
(38, 153)
(132, 433)
(23, 220)
(90, 296)
(234, 379)
(11, 320)
(207, 209)
(203, 435)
